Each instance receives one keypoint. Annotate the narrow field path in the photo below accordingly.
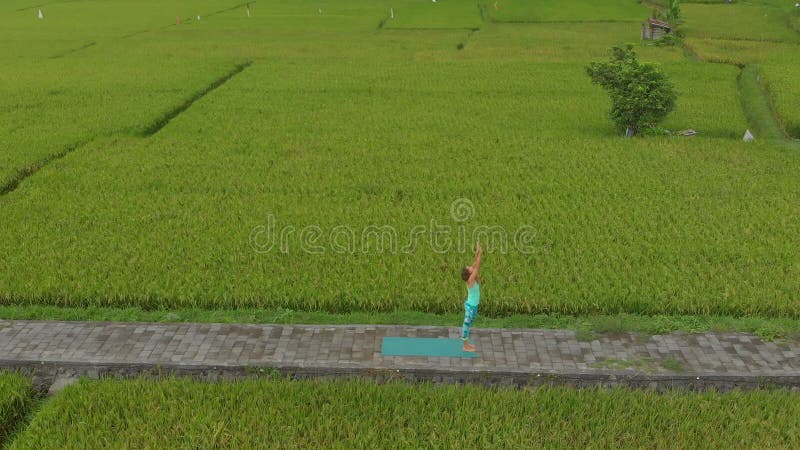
(55, 350)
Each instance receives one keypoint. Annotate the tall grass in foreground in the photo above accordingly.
(278, 413)
(15, 399)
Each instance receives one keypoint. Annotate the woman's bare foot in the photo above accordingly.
(469, 347)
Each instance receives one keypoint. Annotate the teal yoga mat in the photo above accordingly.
(403, 346)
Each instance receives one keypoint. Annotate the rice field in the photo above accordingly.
(573, 11)
(161, 147)
(764, 33)
(777, 64)
(42, 117)
(412, 14)
(15, 400)
(178, 413)
(147, 146)
(749, 21)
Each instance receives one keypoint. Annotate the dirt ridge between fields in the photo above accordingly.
(166, 118)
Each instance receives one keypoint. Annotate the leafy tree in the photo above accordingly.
(641, 95)
(674, 15)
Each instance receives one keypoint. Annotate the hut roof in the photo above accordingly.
(659, 24)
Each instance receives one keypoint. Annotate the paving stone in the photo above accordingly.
(349, 346)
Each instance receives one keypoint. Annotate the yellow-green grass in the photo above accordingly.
(741, 52)
(265, 145)
(70, 25)
(15, 400)
(785, 93)
(740, 21)
(124, 80)
(768, 329)
(559, 11)
(422, 14)
(277, 413)
(692, 81)
(778, 63)
(339, 123)
(698, 226)
(97, 95)
(552, 42)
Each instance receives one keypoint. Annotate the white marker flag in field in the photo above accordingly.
(41, 16)
(748, 136)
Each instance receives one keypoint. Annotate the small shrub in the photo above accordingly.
(668, 40)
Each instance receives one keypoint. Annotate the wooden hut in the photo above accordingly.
(654, 29)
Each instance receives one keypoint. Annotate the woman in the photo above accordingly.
(470, 276)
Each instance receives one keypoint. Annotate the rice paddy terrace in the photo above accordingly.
(343, 156)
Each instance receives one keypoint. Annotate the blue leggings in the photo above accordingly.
(470, 312)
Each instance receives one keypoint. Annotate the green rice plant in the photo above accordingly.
(278, 413)
(785, 94)
(739, 21)
(190, 250)
(15, 400)
(185, 254)
(551, 42)
(43, 118)
(691, 81)
(426, 14)
(339, 123)
(110, 81)
(738, 52)
(69, 25)
(777, 63)
(573, 11)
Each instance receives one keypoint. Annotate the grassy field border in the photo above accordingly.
(16, 405)
(586, 326)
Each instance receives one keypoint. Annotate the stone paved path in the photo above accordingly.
(721, 359)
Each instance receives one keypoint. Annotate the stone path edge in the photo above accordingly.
(45, 374)
(52, 352)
